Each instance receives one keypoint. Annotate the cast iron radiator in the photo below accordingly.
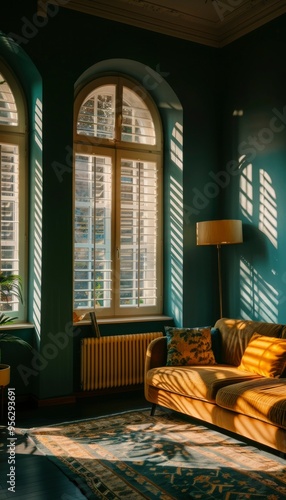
(114, 361)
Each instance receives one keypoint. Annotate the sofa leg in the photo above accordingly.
(153, 409)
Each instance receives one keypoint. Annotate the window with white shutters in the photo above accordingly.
(117, 201)
(92, 232)
(12, 190)
(8, 109)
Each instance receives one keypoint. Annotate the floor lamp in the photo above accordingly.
(219, 232)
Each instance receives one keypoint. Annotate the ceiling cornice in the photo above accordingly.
(213, 22)
(250, 19)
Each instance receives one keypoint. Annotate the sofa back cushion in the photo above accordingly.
(236, 334)
(283, 333)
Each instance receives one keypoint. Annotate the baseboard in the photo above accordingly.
(61, 400)
(113, 390)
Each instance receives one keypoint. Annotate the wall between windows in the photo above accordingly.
(196, 90)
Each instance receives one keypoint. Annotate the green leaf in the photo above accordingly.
(8, 337)
(10, 284)
(6, 320)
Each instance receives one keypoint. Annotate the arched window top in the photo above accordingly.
(96, 116)
(117, 112)
(8, 108)
(137, 122)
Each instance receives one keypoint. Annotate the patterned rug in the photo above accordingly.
(133, 455)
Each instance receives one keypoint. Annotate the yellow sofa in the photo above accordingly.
(241, 401)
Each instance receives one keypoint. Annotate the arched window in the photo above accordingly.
(12, 186)
(117, 200)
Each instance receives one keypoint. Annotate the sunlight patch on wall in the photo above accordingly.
(246, 191)
(38, 207)
(176, 237)
(38, 124)
(176, 145)
(267, 208)
(38, 222)
(258, 298)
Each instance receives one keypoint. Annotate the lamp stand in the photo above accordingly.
(219, 278)
(219, 232)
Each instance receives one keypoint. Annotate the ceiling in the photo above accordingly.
(210, 22)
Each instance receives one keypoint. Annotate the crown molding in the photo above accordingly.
(215, 23)
(247, 20)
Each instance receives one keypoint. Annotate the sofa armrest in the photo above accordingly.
(156, 354)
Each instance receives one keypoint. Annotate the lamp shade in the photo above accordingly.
(219, 232)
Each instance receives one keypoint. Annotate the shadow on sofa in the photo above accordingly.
(225, 394)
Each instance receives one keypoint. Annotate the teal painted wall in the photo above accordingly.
(255, 272)
(196, 89)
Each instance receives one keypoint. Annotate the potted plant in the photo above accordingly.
(10, 285)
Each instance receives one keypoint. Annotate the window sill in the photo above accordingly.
(127, 319)
(17, 326)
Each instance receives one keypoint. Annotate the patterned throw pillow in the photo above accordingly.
(189, 346)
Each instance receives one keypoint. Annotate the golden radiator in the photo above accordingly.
(114, 361)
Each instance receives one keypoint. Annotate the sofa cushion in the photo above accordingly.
(196, 381)
(265, 356)
(236, 334)
(189, 346)
(264, 399)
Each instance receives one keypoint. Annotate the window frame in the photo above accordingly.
(17, 135)
(117, 149)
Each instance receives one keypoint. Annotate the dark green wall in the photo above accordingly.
(254, 81)
(196, 89)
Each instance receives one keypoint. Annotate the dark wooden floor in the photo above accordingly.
(37, 478)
